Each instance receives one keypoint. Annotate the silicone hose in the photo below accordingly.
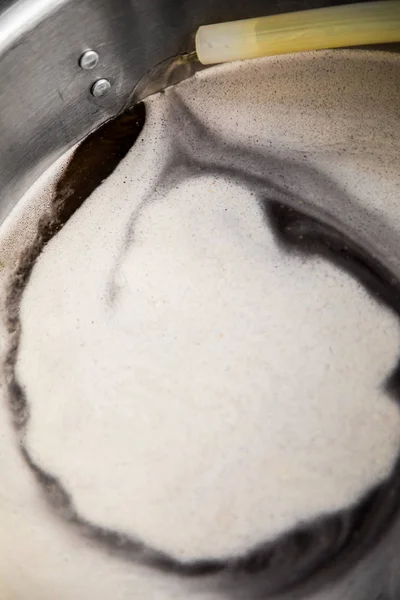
(333, 27)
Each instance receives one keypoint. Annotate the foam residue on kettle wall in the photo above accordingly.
(205, 343)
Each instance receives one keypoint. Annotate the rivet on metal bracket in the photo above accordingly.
(89, 60)
(100, 88)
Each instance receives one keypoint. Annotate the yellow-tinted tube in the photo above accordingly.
(333, 27)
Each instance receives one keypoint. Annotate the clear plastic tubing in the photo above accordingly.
(322, 28)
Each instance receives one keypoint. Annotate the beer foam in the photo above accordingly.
(191, 382)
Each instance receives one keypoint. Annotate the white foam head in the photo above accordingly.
(191, 383)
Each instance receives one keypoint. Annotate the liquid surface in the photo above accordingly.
(201, 352)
